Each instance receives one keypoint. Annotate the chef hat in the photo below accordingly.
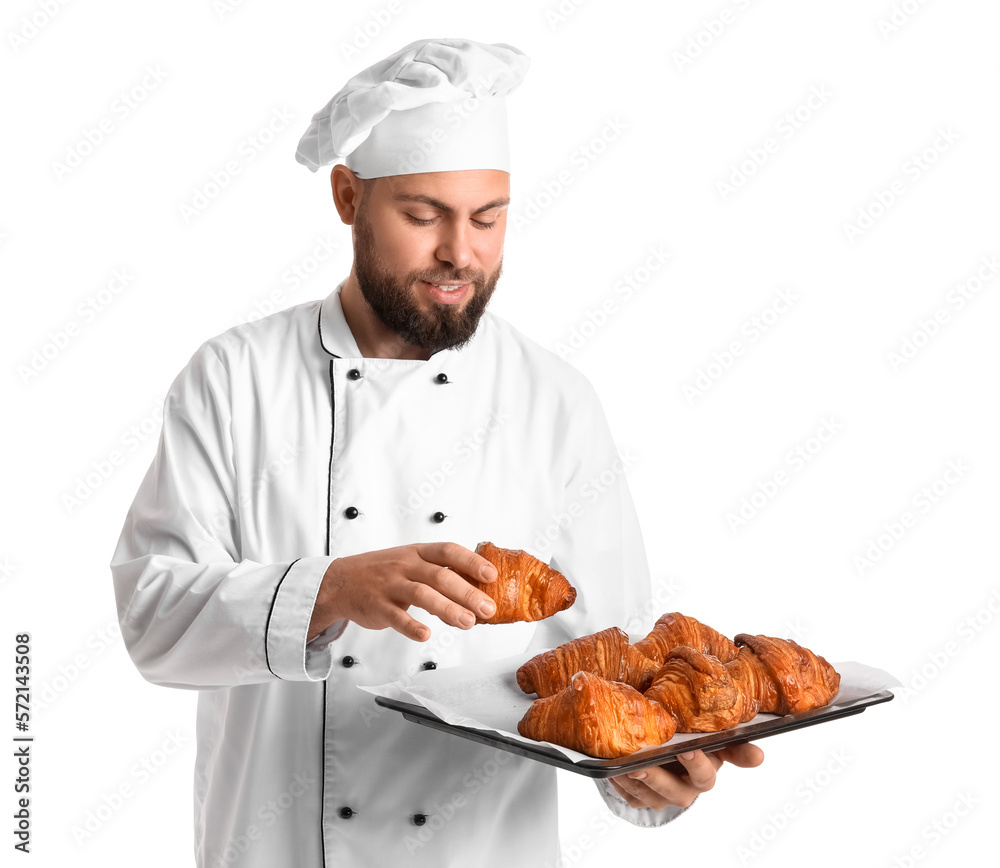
(437, 105)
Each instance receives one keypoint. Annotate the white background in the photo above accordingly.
(883, 94)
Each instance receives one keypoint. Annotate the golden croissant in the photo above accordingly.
(675, 629)
(526, 588)
(598, 717)
(784, 677)
(606, 653)
(699, 692)
(767, 675)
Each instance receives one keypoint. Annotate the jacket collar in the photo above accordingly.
(338, 340)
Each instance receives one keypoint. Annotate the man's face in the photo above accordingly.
(412, 231)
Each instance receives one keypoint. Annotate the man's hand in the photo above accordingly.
(657, 788)
(375, 589)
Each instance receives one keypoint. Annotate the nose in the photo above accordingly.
(453, 246)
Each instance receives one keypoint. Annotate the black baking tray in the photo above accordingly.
(662, 755)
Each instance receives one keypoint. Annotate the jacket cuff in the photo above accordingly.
(289, 656)
(645, 817)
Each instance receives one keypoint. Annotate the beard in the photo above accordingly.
(391, 296)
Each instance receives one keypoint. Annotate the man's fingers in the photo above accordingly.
(410, 627)
(430, 600)
(746, 756)
(630, 792)
(700, 770)
(451, 585)
(461, 559)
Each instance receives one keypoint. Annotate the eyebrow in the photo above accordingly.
(447, 209)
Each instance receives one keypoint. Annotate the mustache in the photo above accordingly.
(453, 278)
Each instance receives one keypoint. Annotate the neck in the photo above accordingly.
(374, 339)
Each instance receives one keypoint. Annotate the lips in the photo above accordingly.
(446, 293)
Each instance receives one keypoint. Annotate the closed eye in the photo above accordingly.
(479, 223)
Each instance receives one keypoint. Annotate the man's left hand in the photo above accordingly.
(658, 788)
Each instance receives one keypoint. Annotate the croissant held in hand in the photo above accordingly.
(607, 654)
(526, 589)
(598, 717)
(673, 629)
(785, 677)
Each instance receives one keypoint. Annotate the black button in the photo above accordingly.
(441, 378)
(348, 661)
(346, 813)
(354, 374)
(419, 819)
(430, 664)
(351, 512)
(439, 517)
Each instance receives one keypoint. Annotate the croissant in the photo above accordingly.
(675, 629)
(606, 653)
(699, 693)
(526, 588)
(785, 677)
(598, 717)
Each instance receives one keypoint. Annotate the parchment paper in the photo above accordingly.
(486, 696)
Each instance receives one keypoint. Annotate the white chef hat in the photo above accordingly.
(437, 105)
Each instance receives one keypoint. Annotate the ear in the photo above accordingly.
(347, 191)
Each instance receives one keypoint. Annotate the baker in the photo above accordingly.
(308, 523)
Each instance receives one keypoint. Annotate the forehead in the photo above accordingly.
(468, 189)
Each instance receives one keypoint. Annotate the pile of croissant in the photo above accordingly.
(607, 698)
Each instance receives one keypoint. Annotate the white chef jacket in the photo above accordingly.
(283, 448)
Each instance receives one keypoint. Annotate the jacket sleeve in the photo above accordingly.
(599, 545)
(645, 817)
(193, 613)
(601, 549)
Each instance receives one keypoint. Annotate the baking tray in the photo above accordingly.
(663, 755)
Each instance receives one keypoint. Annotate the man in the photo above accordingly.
(326, 469)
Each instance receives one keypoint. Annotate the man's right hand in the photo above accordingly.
(376, 589)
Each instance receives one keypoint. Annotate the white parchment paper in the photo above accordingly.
(486, 696)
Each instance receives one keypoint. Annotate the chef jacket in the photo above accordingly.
(283, 448)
